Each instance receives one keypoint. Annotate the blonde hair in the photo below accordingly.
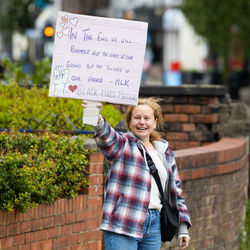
(152, 103)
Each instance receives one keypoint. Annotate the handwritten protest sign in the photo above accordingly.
(97, 58)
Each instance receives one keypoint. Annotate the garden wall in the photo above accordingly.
(196, 115)
(215, 181)
(66, 224)
(214, 174)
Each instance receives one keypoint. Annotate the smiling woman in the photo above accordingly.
(143, 123)
(132, 203)
(152, 110)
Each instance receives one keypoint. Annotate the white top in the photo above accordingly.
(155, 197)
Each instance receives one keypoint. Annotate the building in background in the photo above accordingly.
(37, 43)
(172, 39)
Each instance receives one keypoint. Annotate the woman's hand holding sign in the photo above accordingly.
(91, 112)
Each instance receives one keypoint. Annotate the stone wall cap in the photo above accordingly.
(183, 90)
(225, 143)
(90, 144)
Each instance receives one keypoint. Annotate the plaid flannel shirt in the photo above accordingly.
(128, 183)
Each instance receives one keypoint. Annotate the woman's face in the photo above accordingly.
(142, 121)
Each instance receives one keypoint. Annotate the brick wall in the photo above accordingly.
(66, 224)
(215, 180)
(188, 121)
(191, 113)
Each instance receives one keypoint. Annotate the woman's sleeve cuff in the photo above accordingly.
(183, 236)
(99, 124)
(183, 231)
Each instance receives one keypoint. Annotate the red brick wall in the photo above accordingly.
(67, 224)
(189, 121)
(193, 114)
(215, 180)
(214, 184)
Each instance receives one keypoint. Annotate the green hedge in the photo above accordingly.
(245, 232)
(18, 105)
(13, 70)
(39, 169)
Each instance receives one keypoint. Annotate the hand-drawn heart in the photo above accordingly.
(63, 24)
(59, 34)
(73, 21)
(66, 31)
(72, 88)
(64, 18)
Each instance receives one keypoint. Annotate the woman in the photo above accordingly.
(132, 204)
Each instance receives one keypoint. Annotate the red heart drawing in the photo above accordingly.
(72, 88)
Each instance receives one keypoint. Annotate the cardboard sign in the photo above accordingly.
(97, 58)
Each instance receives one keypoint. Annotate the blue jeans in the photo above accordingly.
(151, 236)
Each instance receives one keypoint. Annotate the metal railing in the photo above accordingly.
(58, 122)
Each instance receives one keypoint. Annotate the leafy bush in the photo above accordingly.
(245, 233)
(42, 71)
(39, 169)
(20, 105)
(14, 71)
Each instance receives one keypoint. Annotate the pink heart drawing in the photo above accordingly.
(64, 18)
(72, 88)
(66, 31)
(59, 34)
(62, 24)
(73, 21)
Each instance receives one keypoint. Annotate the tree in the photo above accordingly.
(223, 24)
(17, 15)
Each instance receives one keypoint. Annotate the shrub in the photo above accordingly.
(39, 169)
(20, 106)
(245, 232)
(14, 71)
